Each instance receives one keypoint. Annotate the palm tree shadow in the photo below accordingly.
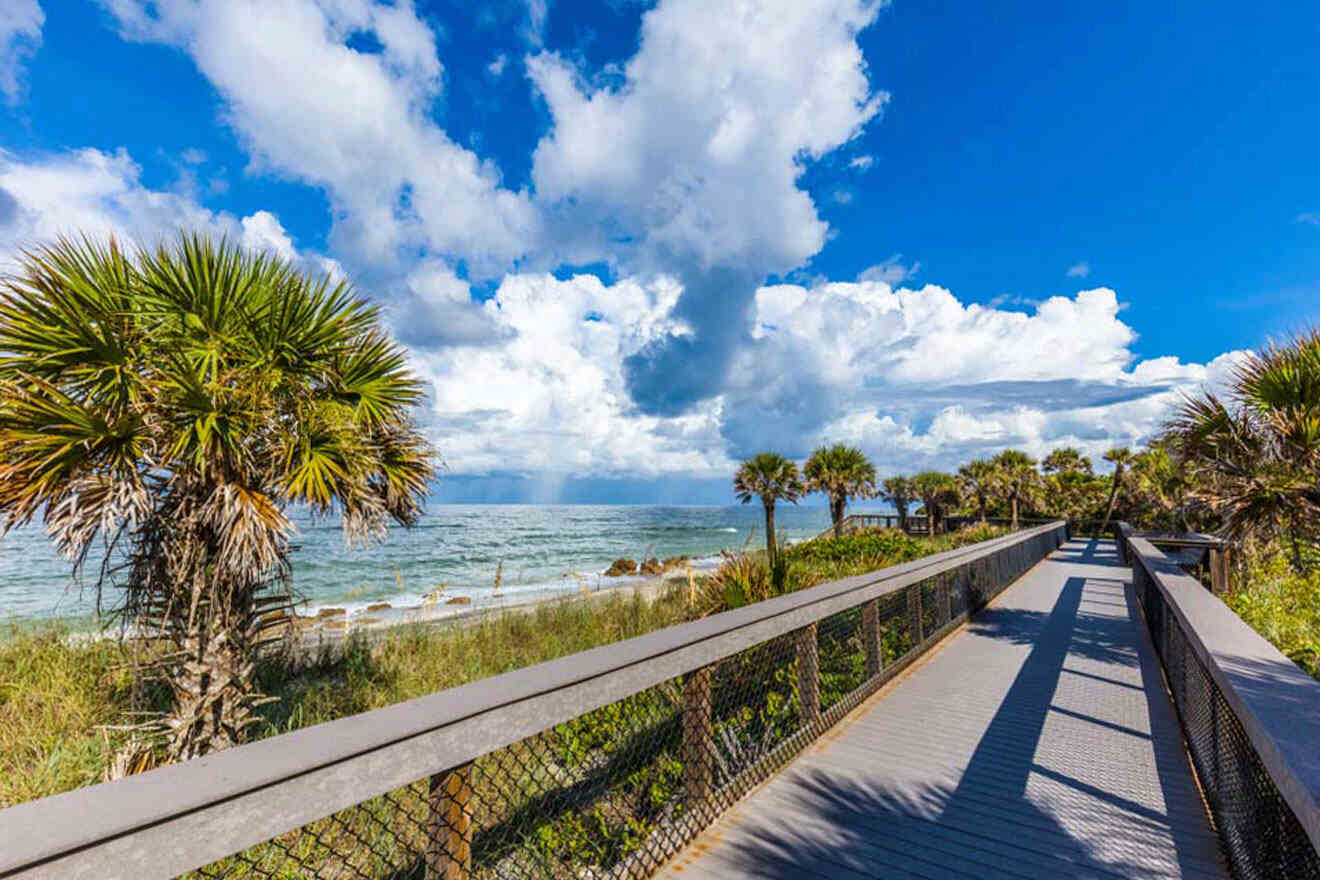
(1097, 630)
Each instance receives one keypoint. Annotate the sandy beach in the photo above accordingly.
(326, 630)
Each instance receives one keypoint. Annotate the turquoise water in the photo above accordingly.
(538, 549)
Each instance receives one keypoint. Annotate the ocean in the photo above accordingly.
(538, 550)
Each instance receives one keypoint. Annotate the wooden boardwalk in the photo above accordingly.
(1038, 742)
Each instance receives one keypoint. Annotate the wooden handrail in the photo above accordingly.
(1276, 703)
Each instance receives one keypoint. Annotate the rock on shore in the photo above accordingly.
(621, 567)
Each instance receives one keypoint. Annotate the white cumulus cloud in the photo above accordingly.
(20, 37)
(690, 164)
(892, 271)
(357, 123)
(93, 192)
(919, 378)
(916, 377)
(696, 155)
(99, 194)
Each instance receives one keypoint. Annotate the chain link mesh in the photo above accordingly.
(618, 791)
(1261, 835)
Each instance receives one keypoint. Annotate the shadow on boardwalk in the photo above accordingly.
(895, 823)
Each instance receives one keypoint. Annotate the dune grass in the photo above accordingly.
(64, 701)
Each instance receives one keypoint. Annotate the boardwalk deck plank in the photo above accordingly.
(1038, 742)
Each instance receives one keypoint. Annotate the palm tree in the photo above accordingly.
(897, 490)
(773, 478)
(977, 480)
(1015, 478)
(1158, 480)
(170, 405)
(1119, 456)
(1066, 459)
(936, 490)
(841, 472)
(1255, 456)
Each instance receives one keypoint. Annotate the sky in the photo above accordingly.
(628, 244)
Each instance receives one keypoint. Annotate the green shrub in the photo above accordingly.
(883, 546)
(1283, 606)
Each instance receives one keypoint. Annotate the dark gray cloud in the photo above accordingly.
(1049, 395)
(670, 375)
(427, 326)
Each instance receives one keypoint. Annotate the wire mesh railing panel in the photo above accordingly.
(619, 790)
(932, 606)
(383, 839)
(960, 586)
(842, 654)
(1261, 835)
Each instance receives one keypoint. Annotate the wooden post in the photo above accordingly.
(875, 660)
(449, 825)
(698, 736)
(808, 675)
(1219, 557)
(914, 614)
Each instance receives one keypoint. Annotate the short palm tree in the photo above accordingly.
(1254, 455)
(772, 478)
(841, 472)
(1015, 479)
(897, 490)
(1066, 459)
(977, 481)
(937, 491)
(1120, 457)
(170, 405)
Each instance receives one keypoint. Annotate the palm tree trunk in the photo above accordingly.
(836, 514)
(770, 534)
(930, 521)
(980, 500)
(1013, 500)
(1113, 496)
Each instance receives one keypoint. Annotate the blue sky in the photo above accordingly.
(629, 243)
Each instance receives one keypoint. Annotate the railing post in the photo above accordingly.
(875, 661)
(1219, 570)
(449, 825)
(698, 736)
(808, 675)
(914, 614)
